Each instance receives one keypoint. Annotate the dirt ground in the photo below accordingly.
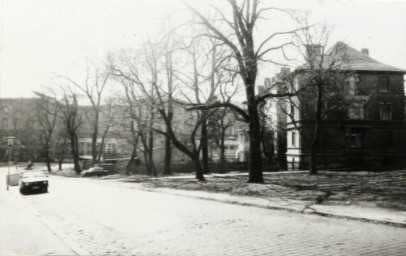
(373, 189)
(386, 189)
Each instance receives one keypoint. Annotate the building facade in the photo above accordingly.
(365, 127)
(18, 119)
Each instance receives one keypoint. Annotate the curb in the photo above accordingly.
(305, 210)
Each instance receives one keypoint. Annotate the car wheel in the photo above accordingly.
(45, 190)
(22, 191)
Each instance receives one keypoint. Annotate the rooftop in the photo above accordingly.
(348, 58)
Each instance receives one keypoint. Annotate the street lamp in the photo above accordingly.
(10, 140)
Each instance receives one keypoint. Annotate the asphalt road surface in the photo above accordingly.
(103, 218)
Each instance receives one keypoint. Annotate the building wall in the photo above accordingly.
(18, 119)
(375, 138)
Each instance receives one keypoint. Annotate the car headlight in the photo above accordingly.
(45, 182)
(25, 183)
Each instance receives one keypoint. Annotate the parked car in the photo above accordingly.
(32, 181)
(95, 171)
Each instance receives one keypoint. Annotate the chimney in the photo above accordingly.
(261, 89)
(285, 70)
(365, 51)
(313, 50)
(267, 82)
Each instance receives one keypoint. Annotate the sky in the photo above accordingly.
(41, 38)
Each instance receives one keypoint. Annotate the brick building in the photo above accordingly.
(368, 130)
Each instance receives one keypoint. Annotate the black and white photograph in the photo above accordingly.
(202, 127)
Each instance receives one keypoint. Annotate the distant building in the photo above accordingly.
(18, 118)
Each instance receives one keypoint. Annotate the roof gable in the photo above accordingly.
(354, 60)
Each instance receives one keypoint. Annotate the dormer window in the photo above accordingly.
(383, 84)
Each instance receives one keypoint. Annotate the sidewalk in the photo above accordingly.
(23, 231)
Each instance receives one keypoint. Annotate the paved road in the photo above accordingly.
(106, 219)
(22, 229)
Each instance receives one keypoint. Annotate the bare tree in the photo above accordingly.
(68, 112)
(149, 89)
(108, 111)
(206, 59)
(93, 87)
(324, 82)
(241, 42)
(46, 116)
(138, 76)
(169, 48)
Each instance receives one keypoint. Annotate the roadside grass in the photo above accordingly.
(373, 189)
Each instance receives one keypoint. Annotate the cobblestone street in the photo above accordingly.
(105, 219)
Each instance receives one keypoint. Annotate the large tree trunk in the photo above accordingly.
(151, 153)
(94, 147)
(255, 158)
(198, 168)
(313, 147)
(62, 155)
(168, 156)
(95, 134)
(222, 148)
(74, 151)
(48, 159)
(147, 163)
(150, 148)
(204, 142)
(131, 165)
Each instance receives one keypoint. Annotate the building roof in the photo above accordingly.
(355, 60)
(347, 58)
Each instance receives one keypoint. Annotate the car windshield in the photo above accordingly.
(33, 174)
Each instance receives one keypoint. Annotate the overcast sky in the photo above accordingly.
(42, 37)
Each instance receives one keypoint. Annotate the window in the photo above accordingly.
(88, 148)
(350, 86)
(110, 148)
(385, 111)
(293, 139)
(295, 86)
(383, 84)
(355, 140)
(4, 123)
(292, 112)
(386, 138)
(16, 123)
(356, 113)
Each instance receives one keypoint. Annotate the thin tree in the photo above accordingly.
(46, 117)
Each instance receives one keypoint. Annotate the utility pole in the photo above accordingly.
(10, 140)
